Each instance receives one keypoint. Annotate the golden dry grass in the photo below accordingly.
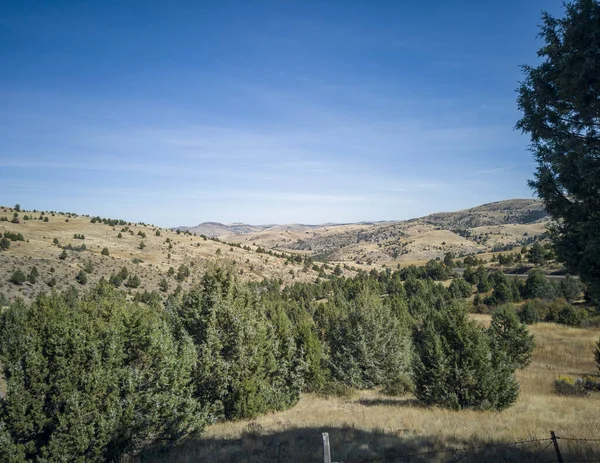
(374, 427)
(156, 257)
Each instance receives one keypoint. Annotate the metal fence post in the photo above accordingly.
(556, 447)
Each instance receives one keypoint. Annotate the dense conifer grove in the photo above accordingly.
(96, 375)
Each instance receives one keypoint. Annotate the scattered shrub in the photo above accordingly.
(81, 277)
(18, 277)
(567, 385)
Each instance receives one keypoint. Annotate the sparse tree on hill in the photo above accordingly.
(537, 254)
(33, 275)
(115, 279)
(89, 267)
(63, 255)
(133, 281)
(560, 101)
(81, 277)
(163, 285)
(18, 277)
(17, 207)
(4, 244)
(105, 252)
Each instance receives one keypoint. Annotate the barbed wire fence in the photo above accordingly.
(461, 453)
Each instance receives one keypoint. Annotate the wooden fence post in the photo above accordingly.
(326, 450)
(556, 447)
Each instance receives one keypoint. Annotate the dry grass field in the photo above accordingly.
(371, 427)
(150, 264)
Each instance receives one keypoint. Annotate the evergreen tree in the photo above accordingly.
(18, 277)
(570, 288)
(244, 366)
(510, 339)
(33, 275)
(91, 379)
(367, 345)
(539, 286)
(4, 244)
(537, 254)
(81, 277)
(560, 101)
(163, 285)
(454, 366)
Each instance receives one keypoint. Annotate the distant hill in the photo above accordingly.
(216, 229)
(490, 227)
(512, 211)
(213, 229)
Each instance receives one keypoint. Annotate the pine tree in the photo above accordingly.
(510, 338)
(368, 346)
(92, 379)
(560, 99)
(454, 367)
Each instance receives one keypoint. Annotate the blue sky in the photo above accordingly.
(263, 112)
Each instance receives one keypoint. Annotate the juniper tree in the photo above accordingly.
(92, 379)
(368, 346)
(454, 366)
(560, 102)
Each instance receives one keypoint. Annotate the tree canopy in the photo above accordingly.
(560, 102)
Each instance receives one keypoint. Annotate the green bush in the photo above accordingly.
(538, 286)
(33, 275)
(570, 315)
(81, 277)
(18, 277)
(336, 389)
(248, 362)
(105, 252)
(531, 312)
(567, 385)
(456, 367)
(4, 244)
(368, 346)
(92, 379)
(133, 281)
(401, 384)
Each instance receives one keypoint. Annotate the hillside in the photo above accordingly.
(45, 241)
(486, 228)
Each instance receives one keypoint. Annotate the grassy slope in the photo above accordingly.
(373, 427)
(192, 251)
(417, 240)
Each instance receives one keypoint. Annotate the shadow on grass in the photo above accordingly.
(352, 445)
(393, 402)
